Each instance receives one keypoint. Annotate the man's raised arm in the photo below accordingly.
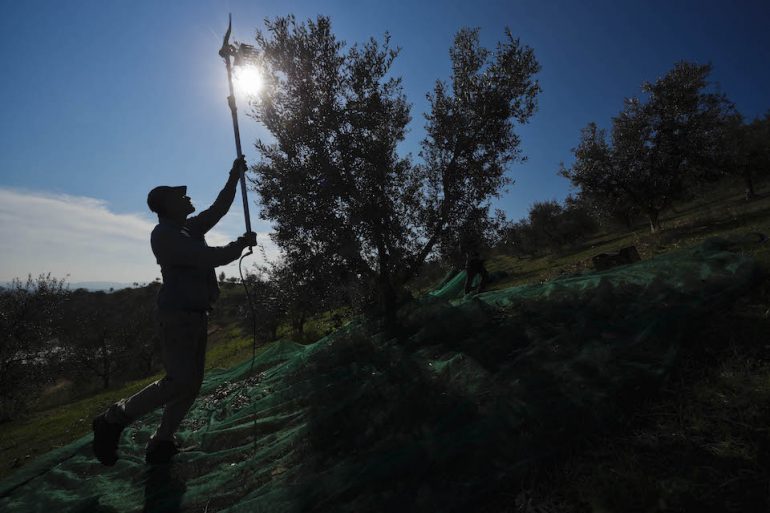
(174, 249)
(206, 220)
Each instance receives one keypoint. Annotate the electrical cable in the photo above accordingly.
(251, 310)
(253, 343)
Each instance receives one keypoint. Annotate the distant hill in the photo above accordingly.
(99, 285)
(92, 286)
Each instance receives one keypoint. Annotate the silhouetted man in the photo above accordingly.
(188, 292)
(474, 266)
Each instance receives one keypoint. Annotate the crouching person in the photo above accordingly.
(188, 292)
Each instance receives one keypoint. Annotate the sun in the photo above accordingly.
(247, 80)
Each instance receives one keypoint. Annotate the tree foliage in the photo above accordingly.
(101, 347)
(267, 302)
(478, 231)
(549, 227)
(747, 149)
(110, 338)
(48, 333)
(332, 182)
(29, 313)
(659, 147)
(291, 290)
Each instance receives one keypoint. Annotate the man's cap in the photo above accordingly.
(157, 197)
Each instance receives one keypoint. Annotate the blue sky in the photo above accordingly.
(103, 100)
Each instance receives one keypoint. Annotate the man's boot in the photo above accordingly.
(159, 452)
(106, 438)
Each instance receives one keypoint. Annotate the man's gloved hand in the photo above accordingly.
(239, 165)
(248, 239)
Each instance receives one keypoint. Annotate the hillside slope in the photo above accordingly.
(470, 396)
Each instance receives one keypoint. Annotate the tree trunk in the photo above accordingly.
(750, 195)
(654, 220)
(388, 301)
(106, 373)
(628, 219)
(105, 363)
(299, 325)
(416, 263)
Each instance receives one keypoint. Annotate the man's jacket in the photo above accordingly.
(186, 262)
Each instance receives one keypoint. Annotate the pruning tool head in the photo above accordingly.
(227, 49)
(240, 52)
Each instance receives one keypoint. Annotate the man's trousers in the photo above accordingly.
(183, 344)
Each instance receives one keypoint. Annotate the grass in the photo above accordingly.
(703, 444)
(722, 212)
(54, 427)
(48, 429)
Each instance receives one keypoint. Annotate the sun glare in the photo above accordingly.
(247, 80)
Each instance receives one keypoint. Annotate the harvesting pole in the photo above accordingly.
(226, 52)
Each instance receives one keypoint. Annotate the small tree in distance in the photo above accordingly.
(101, 351)
(267, 303)
(748, 149)
(550, 226)
(29, 312)
(659, 147)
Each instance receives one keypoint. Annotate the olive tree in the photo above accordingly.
(659, 146)
(747, 149)
(332, 181)
(29, 313)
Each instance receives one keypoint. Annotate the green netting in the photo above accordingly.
(466, 398)
(453, 287)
